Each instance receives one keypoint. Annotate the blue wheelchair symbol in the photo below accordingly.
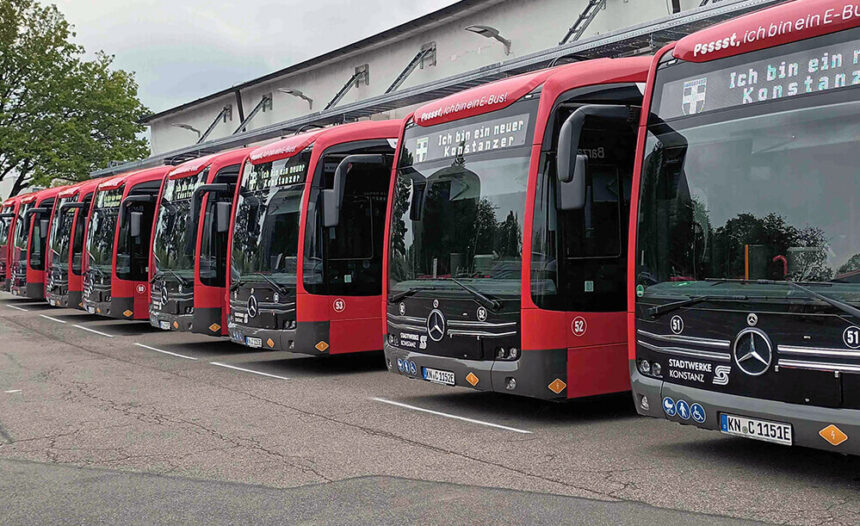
(669, 406)
(698, 413)
(400, 364)
(413, 369)
(683, 410)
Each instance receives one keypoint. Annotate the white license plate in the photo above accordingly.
(91, 309)
(254, 343)
(775, 432)
(164, 325)
(438, 377)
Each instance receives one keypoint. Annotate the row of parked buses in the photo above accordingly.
(689, 221)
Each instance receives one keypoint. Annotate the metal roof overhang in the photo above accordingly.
(633, 40)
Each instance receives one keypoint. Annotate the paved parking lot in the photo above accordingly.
(111, 421)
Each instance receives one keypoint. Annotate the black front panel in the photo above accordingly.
(259, 307)
(171, 297)
(97, 288)
(794, 357)
(455, 327)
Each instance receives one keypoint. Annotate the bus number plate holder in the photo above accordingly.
(776, 432)
(254, 343)
(438, 377)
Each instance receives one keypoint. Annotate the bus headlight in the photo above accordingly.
(645, 367)
(656, 370)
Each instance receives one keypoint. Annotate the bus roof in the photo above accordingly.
(41, 195)
(782, 24)
(133, 178)
(81, 187)
(284, 148)
(501, 94)
(196, 166)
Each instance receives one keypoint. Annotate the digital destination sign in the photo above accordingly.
(109, 198)
(487, 136)
(816, 70)
(182, 189)
(278, 173)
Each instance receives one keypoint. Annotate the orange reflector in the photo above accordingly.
(833, 434)
(214, 327)
(127, 313)
(271, 343)
(472, 379)
(321, 346)
(557, 386)
(99, 310)
(176, 325)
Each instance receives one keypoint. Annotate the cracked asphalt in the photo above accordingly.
(96, 428)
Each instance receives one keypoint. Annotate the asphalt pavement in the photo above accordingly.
(105, 421)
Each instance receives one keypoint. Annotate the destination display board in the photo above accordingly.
(284, 172)
(479, 137)
(817, 70)
(109, 198)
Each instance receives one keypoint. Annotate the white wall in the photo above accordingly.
(532, 25)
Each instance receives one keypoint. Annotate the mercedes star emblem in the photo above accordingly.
(163, 294)
(753, 352)
(253, 308)
(436, 325)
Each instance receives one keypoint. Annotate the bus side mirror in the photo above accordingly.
(135, 219)
(43, 227)
(332, 198)
(222, 216)
(571, 167)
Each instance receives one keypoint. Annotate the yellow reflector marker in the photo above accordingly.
(557, 386)
(127, 313)
(472, 379)
(321, 346)
(99, 310)
(271, 343)
(833, 434)
(214, 327)
(176, 325)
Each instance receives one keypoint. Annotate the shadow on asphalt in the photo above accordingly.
(323, 366)
(594, 409)
(77, 317)
(212, 345)
(32, 305)
(126, 328)
(810, 465)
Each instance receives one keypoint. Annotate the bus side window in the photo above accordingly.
(579, 256)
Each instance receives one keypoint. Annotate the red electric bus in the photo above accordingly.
(188, 266)
(8, 218)
(119, 228)
(31, 234)
(744, 306)
(64, 283)
(306, 242)
(506, 253)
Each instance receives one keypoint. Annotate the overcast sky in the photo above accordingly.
(185, 49)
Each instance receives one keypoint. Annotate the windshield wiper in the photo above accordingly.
(409, 292)
(483, 299)
(277, 286)
(799, 285)
(657, 310)
(182, 281)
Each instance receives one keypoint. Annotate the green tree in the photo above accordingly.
(61, 116)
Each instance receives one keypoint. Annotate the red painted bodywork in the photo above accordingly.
(79, 191)
(356, 327)
(120, 288)
(6, 250)
(205, 297)
(38, 198)
(596, 361)
(790, 22)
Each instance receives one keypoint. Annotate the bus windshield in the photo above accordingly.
(266, 233)
(22, 231)
(102, 229)
(743, 200)
(175, 231)
(61, 235)
(4, 225)
(459, 204)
